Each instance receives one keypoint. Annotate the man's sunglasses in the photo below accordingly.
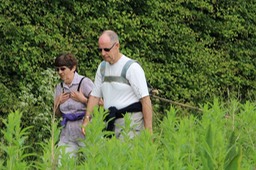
(60, 68)
(106, 49)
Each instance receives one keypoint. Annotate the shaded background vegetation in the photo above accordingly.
(191, 51)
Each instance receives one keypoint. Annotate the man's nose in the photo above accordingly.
(103, 52)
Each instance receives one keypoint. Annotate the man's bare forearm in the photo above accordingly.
(147, 113)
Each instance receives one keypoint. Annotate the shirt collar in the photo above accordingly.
(76, 79)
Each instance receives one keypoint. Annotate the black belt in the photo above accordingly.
(115, 114)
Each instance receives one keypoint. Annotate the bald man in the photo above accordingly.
(121, 96)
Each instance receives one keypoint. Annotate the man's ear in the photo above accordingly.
(118, 45)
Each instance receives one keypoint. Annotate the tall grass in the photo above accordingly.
(222, 138)
(12, 145)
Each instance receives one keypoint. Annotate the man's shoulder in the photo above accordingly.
(128, 61)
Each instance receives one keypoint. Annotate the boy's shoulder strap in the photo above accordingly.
(78, 88)
(61, 85)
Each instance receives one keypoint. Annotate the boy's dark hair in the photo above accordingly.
(66, 59)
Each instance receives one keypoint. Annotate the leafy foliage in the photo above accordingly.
(221, 139)
(13, 143)
(191, 51)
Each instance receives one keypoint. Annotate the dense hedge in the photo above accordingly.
(191, 51)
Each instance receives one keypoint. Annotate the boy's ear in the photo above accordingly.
(74, 69)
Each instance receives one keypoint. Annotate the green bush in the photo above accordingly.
(191, 51)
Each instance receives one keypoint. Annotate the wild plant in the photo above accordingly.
(49, 159)
(223, 138)
(37, 108)
(179, 141)
(219, 141)
(13, 144)
(111, 153)
(245, 124)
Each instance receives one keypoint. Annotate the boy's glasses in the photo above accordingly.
(106, 49)
(60, 68)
